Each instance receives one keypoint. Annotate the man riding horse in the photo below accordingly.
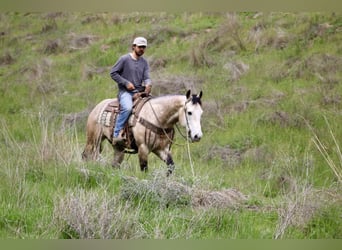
(153, 120)
(131, 73)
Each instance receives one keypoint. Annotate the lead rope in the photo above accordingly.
(189, 155)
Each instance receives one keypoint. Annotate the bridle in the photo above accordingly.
(186, 119)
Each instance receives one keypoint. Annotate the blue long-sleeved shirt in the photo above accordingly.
(127, 69)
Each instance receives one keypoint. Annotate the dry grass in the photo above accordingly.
(87, 215)
(77, 41)
(231, 30)
(322, 67)
(282, 119)
(225, 198)
(50, 143)
(158, 190)
(199, 56)
(299, 207)
(90, 71)
(168, 84)
(167, 192)
(275, 38)
(226, 37)
(90, 214)
(236, 70)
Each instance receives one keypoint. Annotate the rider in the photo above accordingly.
(131, 73)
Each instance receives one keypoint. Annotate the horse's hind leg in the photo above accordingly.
(143, 156)
(92, 148)
(118, 157)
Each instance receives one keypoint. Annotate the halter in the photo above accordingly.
(186, 118)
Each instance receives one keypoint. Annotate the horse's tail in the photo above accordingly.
(94, 139)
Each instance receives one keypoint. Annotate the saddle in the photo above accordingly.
(110, 112)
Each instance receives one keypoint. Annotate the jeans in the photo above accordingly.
(126, 105)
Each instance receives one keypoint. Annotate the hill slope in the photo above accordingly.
(272, 110)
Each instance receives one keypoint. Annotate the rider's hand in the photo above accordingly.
(130, 86)
(148, 89)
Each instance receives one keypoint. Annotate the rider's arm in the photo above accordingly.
(116, 73)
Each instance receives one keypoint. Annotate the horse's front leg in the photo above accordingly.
(170, 164)
(166, 156)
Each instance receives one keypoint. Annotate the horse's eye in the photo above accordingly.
(189, 113)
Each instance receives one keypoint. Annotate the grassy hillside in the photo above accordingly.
(269, 164)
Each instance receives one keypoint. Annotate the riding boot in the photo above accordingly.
(119, 140)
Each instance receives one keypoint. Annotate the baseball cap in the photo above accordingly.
(140, 41)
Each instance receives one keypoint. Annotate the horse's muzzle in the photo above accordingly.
(196, 137)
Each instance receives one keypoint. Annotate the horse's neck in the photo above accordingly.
(164, 110)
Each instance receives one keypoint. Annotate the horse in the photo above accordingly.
(150, 128)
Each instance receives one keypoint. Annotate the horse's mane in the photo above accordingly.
(195, 99)
(166, 97)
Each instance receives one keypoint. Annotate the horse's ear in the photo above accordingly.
(200, 95)
(188, 93)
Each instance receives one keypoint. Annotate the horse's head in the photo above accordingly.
(191, 117)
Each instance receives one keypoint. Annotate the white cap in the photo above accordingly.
(140, 41)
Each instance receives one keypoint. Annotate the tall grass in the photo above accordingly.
(335, 165)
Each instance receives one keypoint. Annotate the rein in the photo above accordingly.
(154, 128)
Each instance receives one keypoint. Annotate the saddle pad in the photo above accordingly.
(105, 117)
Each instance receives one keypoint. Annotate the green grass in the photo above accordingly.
(271, 123)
